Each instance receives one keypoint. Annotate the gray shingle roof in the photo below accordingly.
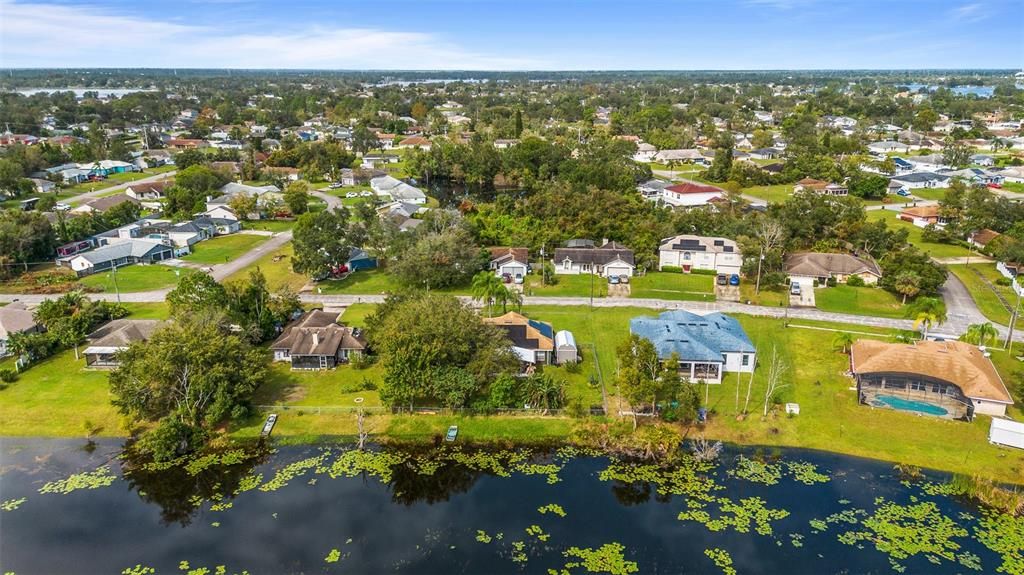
(693, 337)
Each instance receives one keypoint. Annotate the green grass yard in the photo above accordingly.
(269, 225)
(860, 301)
(772, 194)
(933, 249)
(277, 268)
(674, 286)
(222, 249)
(135, 278)
(567, 286)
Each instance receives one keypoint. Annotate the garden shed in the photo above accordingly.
(1006, 432)
(565, 347)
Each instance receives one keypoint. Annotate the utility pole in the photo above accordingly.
(757, 284)
(591, 289)
(116, 290)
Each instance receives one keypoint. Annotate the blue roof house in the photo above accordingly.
(707, 345)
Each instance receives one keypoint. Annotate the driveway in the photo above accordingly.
(222, 271)
(961, 311)
(331, 201)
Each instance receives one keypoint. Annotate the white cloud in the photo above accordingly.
(969, 13)
(45, 35)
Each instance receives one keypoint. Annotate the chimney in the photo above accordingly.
(316, 339)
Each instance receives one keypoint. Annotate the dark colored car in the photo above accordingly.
(722, 280)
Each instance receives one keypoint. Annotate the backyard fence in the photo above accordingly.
(379, 410)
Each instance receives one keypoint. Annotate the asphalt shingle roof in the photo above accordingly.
(693, 337)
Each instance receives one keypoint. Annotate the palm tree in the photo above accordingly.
(843, 341)
(511, 296)
(487, 288)
(927, 311)
(980, 333)
(908, 284)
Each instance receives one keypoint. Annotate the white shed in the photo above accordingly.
(565, 347)
(1006, 432)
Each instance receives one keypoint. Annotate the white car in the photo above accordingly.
(61, 206)
(351, 195)
(367, 194)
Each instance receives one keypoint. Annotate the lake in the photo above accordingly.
(326, 509)
(979, 91)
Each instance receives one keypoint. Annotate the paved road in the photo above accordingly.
(104, 191)
(222, 271)
(961, 311)
(331, 201)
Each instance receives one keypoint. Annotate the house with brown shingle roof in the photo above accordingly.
(512, 261)
(101, 205)
(610, 259)
(532, 340)
(923, 216)
(15, 318)
(317, 341)
(815, 266)
(950, 379)
(115, 336)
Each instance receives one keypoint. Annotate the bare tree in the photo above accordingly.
(750, 386)
(770, 234)
(777, 369)
(363, 432)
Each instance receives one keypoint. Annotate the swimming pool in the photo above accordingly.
(908, 405)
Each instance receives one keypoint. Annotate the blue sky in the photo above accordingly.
(513, 34)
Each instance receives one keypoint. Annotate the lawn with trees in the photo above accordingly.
(222, 249)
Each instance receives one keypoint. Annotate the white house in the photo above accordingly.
(644, 152)
(888, 146)
(609, 259)
(397, 190)
(690, 252)
(691, 195)
(512, 261)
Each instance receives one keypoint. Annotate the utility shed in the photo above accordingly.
(565, 347)
(1006, 432)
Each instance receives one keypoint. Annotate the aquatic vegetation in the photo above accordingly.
(756, 471)
(684, 479)
(333, 557)
(1004, 534)
(552, 508)
(796, 539)
(722, 560)
(739, 516)
(248, 483)
(138, 570)
(608, 558)
(482, 536)
(291, 471)
(218, 570)
(537, 532)
(215, 524)
(222, 506)
(377, 464)
(519, 552)
(12, 504)
(99, 477)
(806, 473)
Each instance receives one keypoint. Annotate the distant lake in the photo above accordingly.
(80, 92)
(447, 510)
(979, 91)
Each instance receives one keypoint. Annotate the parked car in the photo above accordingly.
(334, 186)
(518, 279)
(903, 193)
(794, 288)
(624, 279)
(507, 278)
(722, 280)
(367, 194)
(613, 280)
(61, 206)
(734, 280)
(995, 186)
(351, 195)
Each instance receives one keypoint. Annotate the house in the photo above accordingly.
(15, 318)
(923, 216)
(676, 156)
(43, 186)
(220, 226)
(219, 212)
(610, 259)
(691, 194)
(121, 253)
(147, 192)
(821, 267)
(975, 176)
(706, 346)
(983, 160)
(115, 336)
(397, 190)
(765, 153)
(981, 238)
(379, 158)
(101, 205)
(949, 379)
(821, 187)
(347, 177)
(386, 141)
(512, 261)
(1013, 174)
(565, 348)
(888, 146)
(402, 214)
(186, 144)
(283, 172)
(928, 163)
(690, 252)
(644, 152)
(918, 180)
(417, 142)
(317, 341)
(358, 259)
(104, 168)
(532, 340)
(653, 189)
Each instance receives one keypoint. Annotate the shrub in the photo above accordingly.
(364, 384)
(8, 375)
(830, 282)
(1003, 282)
(855, 281)
(704, 272)
(576, 409)
(362, 360)
(573, 367)
(672, 269)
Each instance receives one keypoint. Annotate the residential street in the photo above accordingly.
(331, 201)
(103, 191)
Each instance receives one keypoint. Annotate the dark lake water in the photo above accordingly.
(295, 509)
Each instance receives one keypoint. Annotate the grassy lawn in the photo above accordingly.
(859, 300)
(269, 225)
(222, 249)
(673, 285)
(567, 286)
(778, 297)
(982, 294)
(136, 277)
(279, 273)
(114, 180)
(935, 194)
(773, 194)
(914, 237)
(362, 282)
